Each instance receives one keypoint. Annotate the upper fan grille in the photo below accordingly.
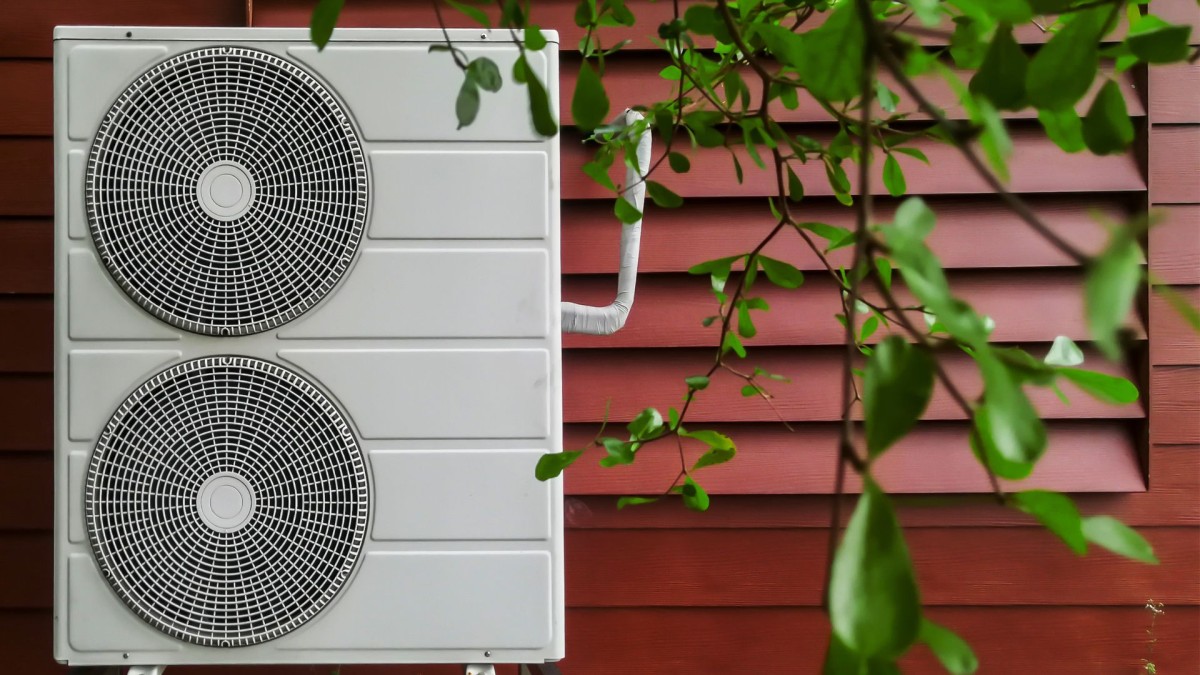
(226, 191)
(226, 501)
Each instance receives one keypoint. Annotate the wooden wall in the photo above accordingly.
(737, 590)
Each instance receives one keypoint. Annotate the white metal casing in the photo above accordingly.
(440, 345)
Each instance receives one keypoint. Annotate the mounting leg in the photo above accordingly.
(145, 670)
(477, 669)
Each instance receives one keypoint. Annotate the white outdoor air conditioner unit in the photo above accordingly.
(307, 351)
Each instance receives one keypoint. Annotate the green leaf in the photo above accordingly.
(1108, 291)
(1010, 424)
(898, 386)
(718, 269)
(1001, 77)
(697, 382)
(619, 452)
(795, 186)
(830, 233)
(745, 324)
(912, 152)
(831, 61)
(634, 501)
(679, 162)
(732, 342)
(1057, 512)
(466, 107)
(1064, 127)
(721, 448)
(782, 274)
(694, 496)
(873, 601)
(1107, 128)
(1155, 41)
(914, 218)
(1064, 68)
(868, 329)
(647, 424)
(952, 651)
(485, 73)
(985, 450)
(967, 45)
(928, 11)
(1110, 533)
(749, 390)
(627, 213)
(534, 39)
(787, 46)
(701, 19)
(1064, 352)
(590, 104)
(598, 172)
(324, 18)
(885, 96)
(893, 177)
(539, 101)
(1102, 386)
(552, 464)
(995, 141)
(662, 195)
(884, 268)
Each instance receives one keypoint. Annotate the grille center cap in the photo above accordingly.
(226, 502)
(225, 190)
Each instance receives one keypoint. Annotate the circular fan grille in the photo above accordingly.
(226, 501)
(226, 191)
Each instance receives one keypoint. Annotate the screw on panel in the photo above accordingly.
(488, 653)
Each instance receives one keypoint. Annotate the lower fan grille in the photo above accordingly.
(227, 501)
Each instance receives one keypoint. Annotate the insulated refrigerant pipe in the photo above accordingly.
(610, 319)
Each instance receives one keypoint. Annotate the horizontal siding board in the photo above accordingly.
(1175, 404)
(779, 567)
(1175, 244)
(28, 27)
(1037, 166)
(26, 177)
(1174, 482)
(26, 256)
(746, 641)
(702, 229)
(1174, 164)
(1174, 341)
(26, 334)
(1173, 96)
(933, 459)
(626, 381)
(954, 567)
(26, 412)
(1026, 306)
(28, 85)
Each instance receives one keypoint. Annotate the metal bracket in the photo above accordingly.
(145, 670)
(479, 669)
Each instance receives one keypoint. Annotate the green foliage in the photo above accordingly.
(1057, 512)
(1112, 281)
(1110, 533)
(324, 18)
(897, 388)
(1107, 128)
(551, 465)
(590, 103)
(1064, 68)
(952, 651)
(1001, 77)
(873, 601)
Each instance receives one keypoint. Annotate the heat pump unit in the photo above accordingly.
(307, 352)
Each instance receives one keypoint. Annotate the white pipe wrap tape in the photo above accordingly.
(608, 320)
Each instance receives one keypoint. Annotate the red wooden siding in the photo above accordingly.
(735, 591)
